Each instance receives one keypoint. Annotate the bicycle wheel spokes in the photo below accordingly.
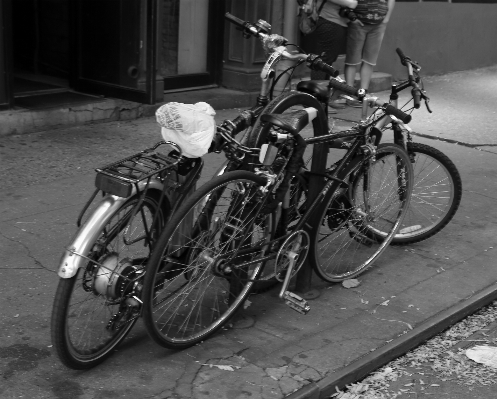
(359, 223)
(98, 313)
(198, 286)
(433, 194)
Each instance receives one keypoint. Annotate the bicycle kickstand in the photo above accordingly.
(293, 300)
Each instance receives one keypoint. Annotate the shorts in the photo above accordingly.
(364, 43)
(329, 37)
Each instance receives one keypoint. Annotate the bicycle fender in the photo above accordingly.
(74, 255)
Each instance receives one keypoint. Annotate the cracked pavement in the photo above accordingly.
(272, 351)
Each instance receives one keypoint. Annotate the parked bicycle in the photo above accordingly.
(217, 244)
(98, 298)
(437, 187)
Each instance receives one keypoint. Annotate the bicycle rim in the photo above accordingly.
(190, 293)
(436, 195)
(92, 313)
(357, 224)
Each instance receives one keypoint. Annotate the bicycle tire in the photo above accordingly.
(188, 296)
(436, 195)
(87, 323)
(351, 233)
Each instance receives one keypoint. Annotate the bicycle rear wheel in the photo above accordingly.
(357, 224)
(192, 286)
(94, 310)
(436, 195)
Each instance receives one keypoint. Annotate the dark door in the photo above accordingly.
(6, 97)
(116, 49)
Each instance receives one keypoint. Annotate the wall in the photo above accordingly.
(443, 37)
(3, 72)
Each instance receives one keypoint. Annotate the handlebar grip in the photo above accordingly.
(347, 89)
(319, 65)
(391, 110)
(323, 66)
(402, 56)
(235, 20)
(416, 96)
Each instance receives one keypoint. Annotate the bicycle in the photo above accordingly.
(98, 298)
(437, 187)
(207, 260)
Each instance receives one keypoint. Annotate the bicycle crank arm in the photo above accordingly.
(293, 300)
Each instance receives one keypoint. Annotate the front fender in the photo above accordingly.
(79, 247)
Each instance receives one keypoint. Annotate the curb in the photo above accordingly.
(365, 365)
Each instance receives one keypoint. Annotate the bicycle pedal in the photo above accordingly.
(362, 239)
(296, 302)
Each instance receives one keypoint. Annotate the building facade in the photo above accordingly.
(137, 49)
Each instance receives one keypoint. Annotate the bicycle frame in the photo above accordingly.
(170, 197)
(351, 153)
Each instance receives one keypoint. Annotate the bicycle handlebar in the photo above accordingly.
(416, 92)
(416, 96)
(260, 29)
(235, 20)
(313, 61)
(389, 109)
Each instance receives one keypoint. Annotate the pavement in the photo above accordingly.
(274, 352)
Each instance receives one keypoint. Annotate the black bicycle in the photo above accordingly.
(233, 228)
(437, 187)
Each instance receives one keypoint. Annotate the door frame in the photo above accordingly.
(214, 53)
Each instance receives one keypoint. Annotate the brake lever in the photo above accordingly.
(427, 100)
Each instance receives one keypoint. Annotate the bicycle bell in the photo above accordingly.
(263, 26)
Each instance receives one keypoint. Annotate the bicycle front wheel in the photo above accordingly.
(357, 223)
(436, 195)
(94, 311)
(193, 285)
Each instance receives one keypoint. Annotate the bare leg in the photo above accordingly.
(366, 74)
(350, 71)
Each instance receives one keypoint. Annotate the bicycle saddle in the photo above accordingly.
(293, 122)
(317, 88)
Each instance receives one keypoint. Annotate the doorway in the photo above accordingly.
(66, 52)
(40, 47)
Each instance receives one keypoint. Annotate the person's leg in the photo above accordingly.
(366, 74)
(370, 52)
(350, 71)
(356, 36)
(329, 38)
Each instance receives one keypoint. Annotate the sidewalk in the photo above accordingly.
(274, 351)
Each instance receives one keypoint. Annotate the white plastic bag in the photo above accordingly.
(191, 126)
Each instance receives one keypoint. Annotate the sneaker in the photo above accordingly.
(354, 103)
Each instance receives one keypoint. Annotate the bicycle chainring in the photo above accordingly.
(297, 243)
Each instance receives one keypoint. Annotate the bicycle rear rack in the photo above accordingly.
(119, 177)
